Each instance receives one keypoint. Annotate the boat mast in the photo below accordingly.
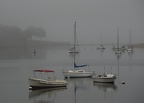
(130, 40)
(74, 42)
(118, 37)
(100, 39)
(74, 36)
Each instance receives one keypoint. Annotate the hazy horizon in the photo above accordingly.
(93, 17)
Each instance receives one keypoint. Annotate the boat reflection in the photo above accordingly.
(78, 84)
(82, 83)
(101, 51)
(44, 95)
(106, 87)
(107, 91)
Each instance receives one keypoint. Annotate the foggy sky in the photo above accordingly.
(93, 17)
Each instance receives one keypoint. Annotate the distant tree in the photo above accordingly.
(10, 33)
(34, 31)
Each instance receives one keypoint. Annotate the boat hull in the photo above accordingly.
(40, 83)
(72, 52)
(104, 80)
(101, 47)
(77, 74)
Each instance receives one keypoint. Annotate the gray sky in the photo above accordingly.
(94, 18)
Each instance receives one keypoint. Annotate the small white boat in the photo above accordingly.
(72, 51)
(49, 82)
(118, 51)
(101, 47)
(105, 78)
(130, 48)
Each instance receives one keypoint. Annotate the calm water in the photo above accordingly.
(17, 64)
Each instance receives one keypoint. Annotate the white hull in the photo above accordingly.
(101, 47)
(104, 80)
(77, 74)
(40, 83)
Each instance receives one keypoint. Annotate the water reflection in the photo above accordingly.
(101, 53)
(106, 87)
(107, 91)
(34, 52)
(45, 95)
(78, 84)
(130, 58)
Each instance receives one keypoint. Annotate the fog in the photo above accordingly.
(93, 17)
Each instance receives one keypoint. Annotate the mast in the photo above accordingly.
(100, 39)
(74, 36)
(118, 37)
(74, 42)
(75, 91)
(130, 40)
(74, 61)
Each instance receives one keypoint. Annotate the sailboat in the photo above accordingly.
(130, 47)
(118, 49)
(101, 45)
(75, 48)
(77, 71)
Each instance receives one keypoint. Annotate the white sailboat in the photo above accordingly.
(130, 47)
(101, 45)
(77, 71)
(118, 50)
(75, 48)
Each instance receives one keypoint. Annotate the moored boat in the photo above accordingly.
(105, 78)
(49, 82)
(101, 47)
(78, 73)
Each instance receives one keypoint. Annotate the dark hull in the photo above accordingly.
(41, 87)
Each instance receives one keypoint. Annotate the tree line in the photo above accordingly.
(10, 33)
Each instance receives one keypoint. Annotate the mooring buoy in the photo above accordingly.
(123, 82)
